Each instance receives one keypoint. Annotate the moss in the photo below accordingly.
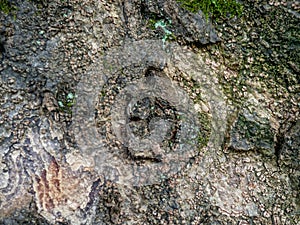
(7, 7)
(205, 129)
(213, 8)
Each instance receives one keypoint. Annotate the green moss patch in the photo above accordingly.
(7, 7)
(215, 9)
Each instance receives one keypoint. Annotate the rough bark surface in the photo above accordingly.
(141, 112)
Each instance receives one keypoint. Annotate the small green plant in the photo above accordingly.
(67, 103)
(163, 25)
(151, 23)
(168, 35)
(7, 7)
(215, 9)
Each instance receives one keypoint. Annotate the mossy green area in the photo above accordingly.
(215, 9)
(265, 56)
(205, 129)
(66, 102)
(7, 7)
